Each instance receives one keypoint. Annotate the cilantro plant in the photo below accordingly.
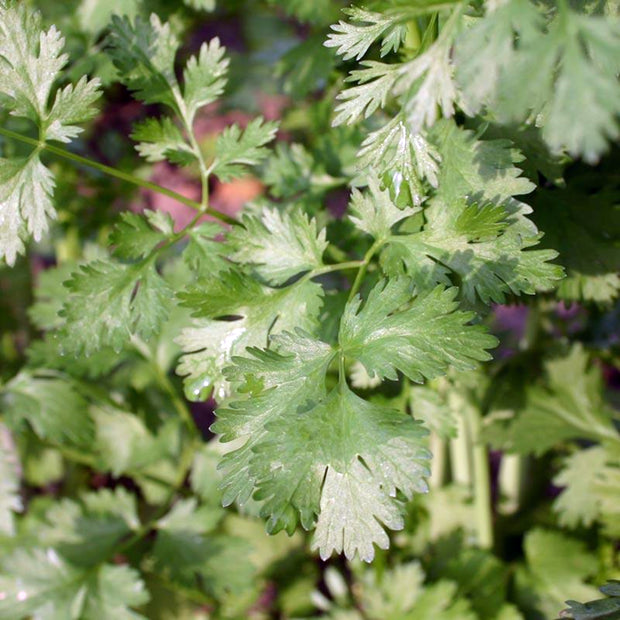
(402, 349)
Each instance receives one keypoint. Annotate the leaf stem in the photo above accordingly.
(118, 174)
(363, 268)
(482, 479)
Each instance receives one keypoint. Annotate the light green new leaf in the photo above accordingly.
(236, 148)
(30, 63)
(160, 139)
(374, 212)
(352, 40)
(205, 76)
(591, 479)
(51, 405)
(278, 245)
(331, 459)
(420, 338)
(256, 313)
(42, 585)
(10, 473)
(109, 302)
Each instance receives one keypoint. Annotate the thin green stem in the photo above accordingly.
(354, 264)
(359, 278)
(118, 174)
(482, 480)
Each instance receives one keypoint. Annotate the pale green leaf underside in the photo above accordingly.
(41, 584)
(331, 460)
(278, 245)
(31, 61)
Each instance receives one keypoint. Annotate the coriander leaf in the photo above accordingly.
(404, 156)
(570, 67)
(331, 457)
(26, 190)
(598, 609)
(559, 567)
(137, 235)
(205, 76)
(278, 245)
(86, 532)
(485, 248)
(488, 47)
(582, 222)
(144, 52)
(39, 583)
(374, 212)
(569, 405)
(30, 63)
(236, 148)
(10, 473)
(109, 302)
(256, 312)
(352, 40)
(124, 444)
(203, 254)
(591, 479)
(51, 405)
(161, 139)
(421, 340)
(481, 169)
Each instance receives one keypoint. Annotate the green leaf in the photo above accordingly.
(352, 40)
(161, 139)
(203, 254)
(236, 148)
(30, 63)
(10, 473)
(205, 76)
(569, 405)
(598, 609)
(86, 532)
(278, 245)
(109, 302)
(26, 189)
(331, 457)
(51, 405)
(484, 170)
(124, 444)
(421, 341)
(256, 312)
(582, 221)
(144, 53)
(429, 404)
(559, 567)
(40, 584)
(137, 235)
(374, 212)
(591, 479)
(395, 151)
